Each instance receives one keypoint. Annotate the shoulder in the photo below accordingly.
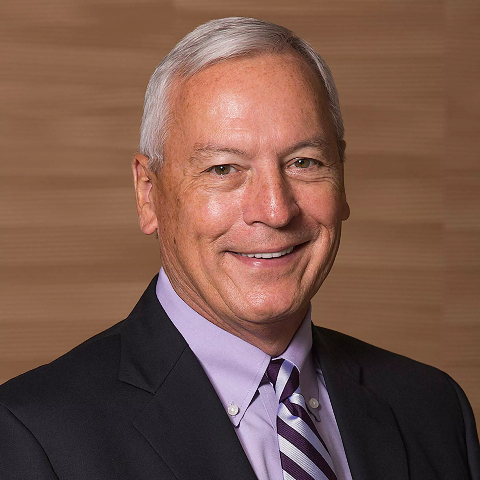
(376, 360)
(77, 398)
(413, 389)
(405, 383)
(422, 398)
(89, 368)
(428, 407)
(90, 363)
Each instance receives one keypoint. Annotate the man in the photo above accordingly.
(217, 372)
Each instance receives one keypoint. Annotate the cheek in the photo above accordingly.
(324, 207)
(210, 216)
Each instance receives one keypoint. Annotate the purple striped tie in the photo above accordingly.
(303, 453)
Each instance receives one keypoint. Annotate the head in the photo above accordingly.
(248, 197)
(214, 42)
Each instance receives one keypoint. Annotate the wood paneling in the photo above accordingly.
(72, 83)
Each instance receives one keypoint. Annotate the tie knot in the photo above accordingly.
(284, 377)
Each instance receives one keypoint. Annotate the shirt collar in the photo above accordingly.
(234, 367)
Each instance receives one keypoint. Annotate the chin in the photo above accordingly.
(266, 310)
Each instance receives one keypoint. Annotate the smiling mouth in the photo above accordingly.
(281, 253)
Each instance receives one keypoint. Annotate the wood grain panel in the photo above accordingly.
(72, 83)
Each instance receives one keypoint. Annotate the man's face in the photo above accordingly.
(250, 199)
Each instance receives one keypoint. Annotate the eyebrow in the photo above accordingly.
(320, 143)
(204, 150)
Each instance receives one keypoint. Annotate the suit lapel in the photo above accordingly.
(185, 421)
(187, 426)
(368, 428)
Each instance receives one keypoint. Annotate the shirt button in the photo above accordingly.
(232, 410)
(313, 402)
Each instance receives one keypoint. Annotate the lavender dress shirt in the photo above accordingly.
(236, 370)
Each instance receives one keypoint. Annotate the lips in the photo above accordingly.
(281, 253)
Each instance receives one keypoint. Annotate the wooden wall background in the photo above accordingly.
(73, 74)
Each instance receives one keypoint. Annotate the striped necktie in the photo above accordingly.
(303, 453)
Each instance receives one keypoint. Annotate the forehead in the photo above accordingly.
(268, 99)
(262, 105)
(262, 78)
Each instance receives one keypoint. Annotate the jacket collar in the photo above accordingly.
(156, 358)
(150, 344)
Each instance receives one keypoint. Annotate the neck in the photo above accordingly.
(270, 334)
(273, 339)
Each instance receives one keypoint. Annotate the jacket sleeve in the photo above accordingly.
(471, 436)
(21, 456)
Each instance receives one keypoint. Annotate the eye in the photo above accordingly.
(305, 162)
(222, 169)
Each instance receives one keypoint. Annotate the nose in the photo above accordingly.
(269, 199)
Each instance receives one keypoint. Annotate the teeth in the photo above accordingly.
(268, 255)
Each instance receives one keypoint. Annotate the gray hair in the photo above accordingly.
(214, 42)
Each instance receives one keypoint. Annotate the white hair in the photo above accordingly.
(214, 42)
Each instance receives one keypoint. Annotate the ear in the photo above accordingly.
(345, 208)
(142, 179)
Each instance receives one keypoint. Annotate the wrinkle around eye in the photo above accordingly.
(315, 164)
(318, 171)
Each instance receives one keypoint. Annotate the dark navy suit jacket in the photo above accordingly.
(134, 403)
